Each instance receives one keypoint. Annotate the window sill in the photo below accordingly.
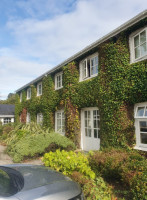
(140, 148)
(59, 88)
(88, 78)
(139, 59)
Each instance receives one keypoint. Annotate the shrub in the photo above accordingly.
(29, 146)
(128, 168)
(68, 162)
(93, 189)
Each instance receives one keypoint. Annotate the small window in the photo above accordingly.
(58, 80)
(89, 67)
(28, 93)
(60, 122)
(7, 120)
(39, 89)
(141, 126)
(138, 45)
(39, 118)
(20, 97)
(28, 119)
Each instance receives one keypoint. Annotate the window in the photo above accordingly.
(39, 89)
(28, 119)
(89, 67)
(28, 93)
(7, 120)
(39, 118)
(91, 124)
(138, 45)
(58, 80)
(60, 122)
(20, 97)
(141, 125)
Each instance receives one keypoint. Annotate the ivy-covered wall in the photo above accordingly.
(118, 86)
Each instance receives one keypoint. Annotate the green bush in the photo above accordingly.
(93, 189)
(129, 168)
(27, 144)
(5, 130)
(68, 162)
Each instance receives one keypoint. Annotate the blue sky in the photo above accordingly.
(36, 35)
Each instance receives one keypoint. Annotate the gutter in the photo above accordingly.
(116, 31)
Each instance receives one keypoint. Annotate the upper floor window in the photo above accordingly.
(138, 45)
(89, 67)
(39, 118)
(58, 80)
(39, 89)
(20, 97)
(141, 125)
(28, 93)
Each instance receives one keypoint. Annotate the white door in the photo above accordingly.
(90, 129)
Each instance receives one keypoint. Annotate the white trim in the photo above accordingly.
(95, 142)
(88, 68)
(139, 119)
(39, 94)
(7, 116)
(28, 93)
(39, 118)
(20, 96)
(56, 128)
(131, 44)
(28, 118)
(60, 74)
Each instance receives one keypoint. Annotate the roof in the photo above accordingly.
(7, 109)
(113, 33)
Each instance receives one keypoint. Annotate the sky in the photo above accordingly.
(37, 35)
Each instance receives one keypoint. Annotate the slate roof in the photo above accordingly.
(6, 109)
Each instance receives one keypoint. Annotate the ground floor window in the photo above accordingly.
(28, 118)
(39, 118)
(7, 120)
(140, 113)
(60, 122)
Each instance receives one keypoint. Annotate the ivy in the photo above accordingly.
(118, 86)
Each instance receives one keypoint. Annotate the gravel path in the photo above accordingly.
(5, 159)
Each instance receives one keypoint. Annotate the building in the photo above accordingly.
(97, 97)
(7, 113)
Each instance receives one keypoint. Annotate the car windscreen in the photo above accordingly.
(11, 181)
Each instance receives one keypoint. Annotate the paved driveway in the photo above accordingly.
(5, 159)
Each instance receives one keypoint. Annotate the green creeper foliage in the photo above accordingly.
(118, 86)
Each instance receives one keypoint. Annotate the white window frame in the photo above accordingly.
(39, 118)
(139, 119)
(85, 70)
(28, 118)
(7, 120)
(62, 129)
(39, 93)
(20, 97)
(60, 74)
(132, 47)
(29, 93)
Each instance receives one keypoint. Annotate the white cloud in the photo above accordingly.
(47, 41)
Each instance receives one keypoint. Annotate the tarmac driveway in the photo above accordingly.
(5, 159)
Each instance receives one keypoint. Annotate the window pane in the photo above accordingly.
(143, 49)
(136, 41)
(143, 138)
(95, 133)
(140, 111)
(143, 126)
(146, 112)
(143, 37)
(137, 52)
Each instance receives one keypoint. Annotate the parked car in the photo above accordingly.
(33, 182)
